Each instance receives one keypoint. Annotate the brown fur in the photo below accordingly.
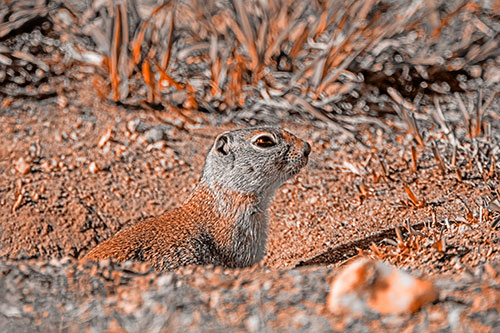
(176, 234)
(217, 225)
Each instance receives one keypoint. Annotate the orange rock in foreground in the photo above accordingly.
(368, 284)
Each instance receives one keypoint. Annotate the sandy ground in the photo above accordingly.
(74, 171)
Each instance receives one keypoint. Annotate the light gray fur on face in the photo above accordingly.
(235, 162)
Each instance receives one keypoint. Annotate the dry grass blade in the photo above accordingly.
(125, 66)
(470, 214)
(411, 123)
(124, 24)
(168, 52)
(413, 198)
(295, 21)
(248, 35)
(479, 120)
(454, 157)
(439, 116)
(488, 102)
(100, 86)
(459, 174)
(190, 103)
(264, 37)
(398, 98)
(215, 68)
(322, 21)
(440, 244)
(467, 120)
(411, 228)
(364, 191)
(319, 71)
(493, 169)
(495, 223)
(376, 251)
(414, 163)
(439, 159)
(148, 79)
(235, 97)
(115, 52)
(299, 43)
(366, 7)
(433, 218)
(301, 74)
(136, 43)
(399, 236)
(480, 166)
(390, 242)
(17, 203)
(384, 169)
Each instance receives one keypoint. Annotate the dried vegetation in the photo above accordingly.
(328, 59)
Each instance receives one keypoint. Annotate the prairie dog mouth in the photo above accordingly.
(297, 166)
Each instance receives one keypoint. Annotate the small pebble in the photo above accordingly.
(105, 138)
(22, 166)
(366, 285)
(93, 167)
(153, 135)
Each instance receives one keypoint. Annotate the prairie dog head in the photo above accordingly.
(254, 160)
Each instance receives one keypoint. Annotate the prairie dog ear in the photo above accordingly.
(221, 145)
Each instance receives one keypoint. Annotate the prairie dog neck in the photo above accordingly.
(237, 221)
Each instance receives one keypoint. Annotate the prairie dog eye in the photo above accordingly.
(264, 141)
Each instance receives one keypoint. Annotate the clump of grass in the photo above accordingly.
(222, 54)
(320, 58)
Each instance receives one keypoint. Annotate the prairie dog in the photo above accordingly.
(224, 221)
